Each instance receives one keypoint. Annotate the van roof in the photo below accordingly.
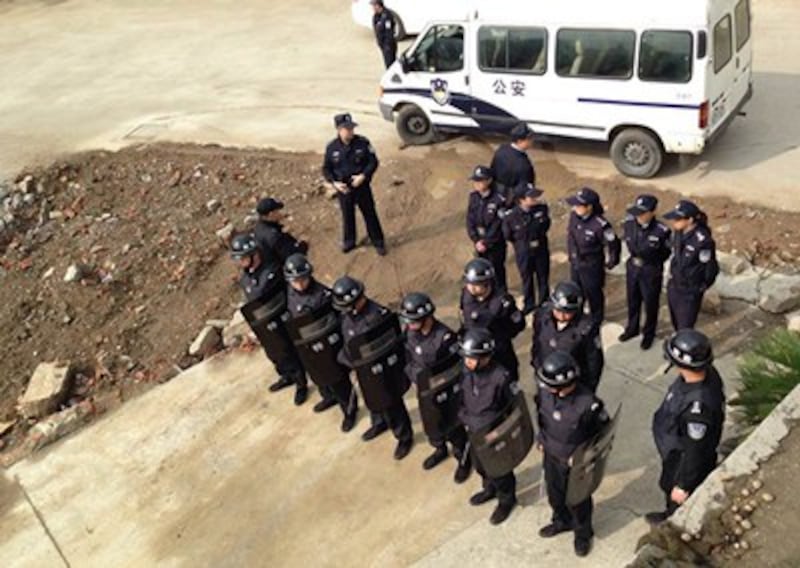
(676, 14)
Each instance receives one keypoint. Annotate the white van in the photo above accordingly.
(410, 16)
(649, 77)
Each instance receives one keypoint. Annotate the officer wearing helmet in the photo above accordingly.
(309, 304)
(259, 281)
(485, 305)
(561, 325)
(648, 242)
(433, 365)
(569, 414)
(687, 427)
(381, 374)
(525, 227)
(488, 389)
(693, 268)
(485, 211)
(589, 236)
(269, 233)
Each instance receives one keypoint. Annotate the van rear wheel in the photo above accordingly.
(414, 127)
(637, 153)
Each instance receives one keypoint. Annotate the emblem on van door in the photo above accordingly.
(440, 91)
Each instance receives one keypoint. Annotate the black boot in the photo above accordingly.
(349, 421)
(582, 546)
(403, 449)
(325, 404)
(437, 457)
(464, 468)
(300, 395)
(374, 431)
(657, 517)
(502, 511)
(627, 335)
(282, 383)
(553, 529)
(647, 342)
(481, 497)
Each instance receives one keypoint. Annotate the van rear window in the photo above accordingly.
(742, 15)
(665, 56)
(518, 50)
(606, 54)
(723, 45)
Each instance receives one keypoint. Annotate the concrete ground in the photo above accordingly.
(211, 470)
(85, 74)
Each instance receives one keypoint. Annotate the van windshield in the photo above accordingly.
(439, 51)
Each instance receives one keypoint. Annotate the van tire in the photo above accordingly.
(637, 153)
(399, 28)
(414, 127)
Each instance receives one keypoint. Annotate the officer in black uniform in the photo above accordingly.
(256, 279)
(487, 389)
(588, 236)
(693, 268)
(429, 342)
(511, 164)
(485, 213)
(569, 414)
(648, 242)
(270, 235)
(384, 26)
(359, 316)
(687, 427)
(484, 305)
(561, 325)
(306, 294)
(525, 227)
(350, 163)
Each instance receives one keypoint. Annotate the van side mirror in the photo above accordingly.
(404, 65)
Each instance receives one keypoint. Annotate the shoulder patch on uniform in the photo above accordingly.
(595, 406)
(697, 407)
(700, 236)
(609, 234)
(696, 430)
(705, 256)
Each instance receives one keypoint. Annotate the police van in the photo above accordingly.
(650, 78)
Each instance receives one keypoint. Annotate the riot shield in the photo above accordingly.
(379, 360)
(317, 338)
(266, 317)
(437, 391)
(588, 463)
(511, 439)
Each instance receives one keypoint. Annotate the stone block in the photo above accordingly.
(206, 343)
(780, 293)
(46, 390)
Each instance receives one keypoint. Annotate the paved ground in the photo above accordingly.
(211, 470)
(85, 74)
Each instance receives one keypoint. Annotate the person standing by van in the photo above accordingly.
(511, 165)
(383, 24)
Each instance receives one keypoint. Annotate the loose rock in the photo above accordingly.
(225, 234)
(213, 205)
(767, 497)
(712, 303)
(74, 273)
(46, 390)
(206, 343)
(746, 524)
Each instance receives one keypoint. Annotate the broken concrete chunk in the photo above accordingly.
(206, 343)
(780, 293)
(225, 234)
(712, 303)
(731, 264)
(235, 332)
(46, 390)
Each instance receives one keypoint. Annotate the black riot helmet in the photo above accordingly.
(346, 291)
(688, 349)
(559, 370)
(567, 297)
(243, 245)
(416, 307)
(297, 266)
(476, 342)
(478, 271)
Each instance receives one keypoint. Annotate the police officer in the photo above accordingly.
(589, 235)
(270, 235)
(487, 389)
(648, 242)
(305, 295)
(258, 279)
(350, 163)
(428, 343)
(384, 26)
(561, 325)
(486, 306)
(569, 414)
(485, 212)
(511, 163)
(693, 268)
(360, 315)
(687, 427)
(525, 227)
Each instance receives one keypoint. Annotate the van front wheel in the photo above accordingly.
(637, 153)
(414, 127)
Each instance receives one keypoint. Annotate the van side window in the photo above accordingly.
(742, 15)
(518, 50)
(723, 48)
(440, 51)
(665, 56)
(605, 54)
